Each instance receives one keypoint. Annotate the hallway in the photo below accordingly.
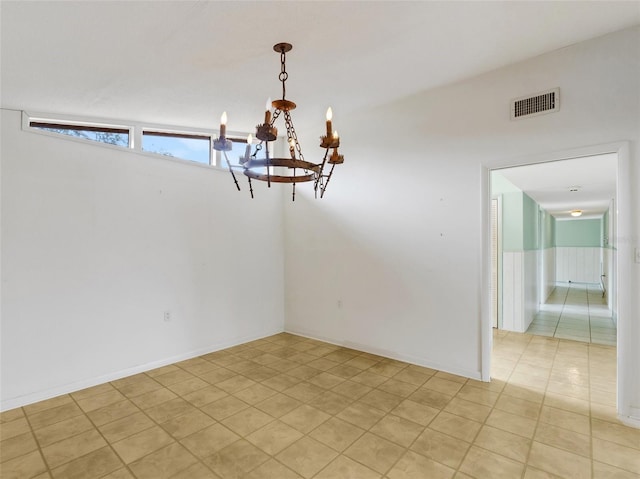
(576, 311)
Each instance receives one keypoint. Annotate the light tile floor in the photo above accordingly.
(576, 311)
(288, 407)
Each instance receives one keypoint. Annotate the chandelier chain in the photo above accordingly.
(275, 116)
(291, 133)
(283, 73)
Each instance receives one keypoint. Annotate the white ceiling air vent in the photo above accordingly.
(533, 105)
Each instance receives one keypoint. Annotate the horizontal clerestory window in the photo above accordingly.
(169, 142)
(178, 145)
(102, 134)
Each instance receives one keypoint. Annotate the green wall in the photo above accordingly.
(519, 222)
(530, 223)
(521, 218)
(512, 217)
(499, 185)
(549, 230)
(587, 233)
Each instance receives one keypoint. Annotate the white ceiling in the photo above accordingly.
(184, 62)
(550, 184)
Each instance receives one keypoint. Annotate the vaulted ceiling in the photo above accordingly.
(184, 62)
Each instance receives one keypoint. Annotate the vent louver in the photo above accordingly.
(538, 104)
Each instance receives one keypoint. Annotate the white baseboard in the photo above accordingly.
(37, 396)
(630, 421)
(418, 361)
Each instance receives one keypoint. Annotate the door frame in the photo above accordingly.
(496, 307)
(627, 331)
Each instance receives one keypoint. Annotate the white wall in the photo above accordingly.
(97, 243)
(399, 237)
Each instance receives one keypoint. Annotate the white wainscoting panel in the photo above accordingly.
(549, 272)
(609, 259)
(578, 264)
(530, 281)
(508, 291)
(512, 291)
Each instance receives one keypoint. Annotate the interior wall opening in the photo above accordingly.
(554, 283)
(553, 251)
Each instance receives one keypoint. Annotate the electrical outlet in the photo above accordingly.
(167, 316)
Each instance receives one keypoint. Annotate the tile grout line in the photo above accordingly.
(35, 438)
(492, 409)
(564, 302)
(201, 459)
(535, 429)
(126, 466)
(155, 423)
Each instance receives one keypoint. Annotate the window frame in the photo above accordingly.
(135, 133)
(171, 133)
(62, 121)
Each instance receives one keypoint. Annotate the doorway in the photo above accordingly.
(551, 229)
(623, 275)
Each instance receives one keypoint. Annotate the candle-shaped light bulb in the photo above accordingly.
(292, 148)
(223, 125)
(267, 111)
(335, 135)
(247, 151)
(329, 114)
(329, 117)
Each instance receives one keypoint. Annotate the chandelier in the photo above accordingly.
(294, 169)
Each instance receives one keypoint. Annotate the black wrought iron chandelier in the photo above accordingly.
(294, 169)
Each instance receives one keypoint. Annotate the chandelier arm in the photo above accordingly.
(324, 160)
(333, 165)
(250, 186)
(231, 170)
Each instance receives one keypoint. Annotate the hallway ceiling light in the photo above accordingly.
(576, 213)
(298, 168)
